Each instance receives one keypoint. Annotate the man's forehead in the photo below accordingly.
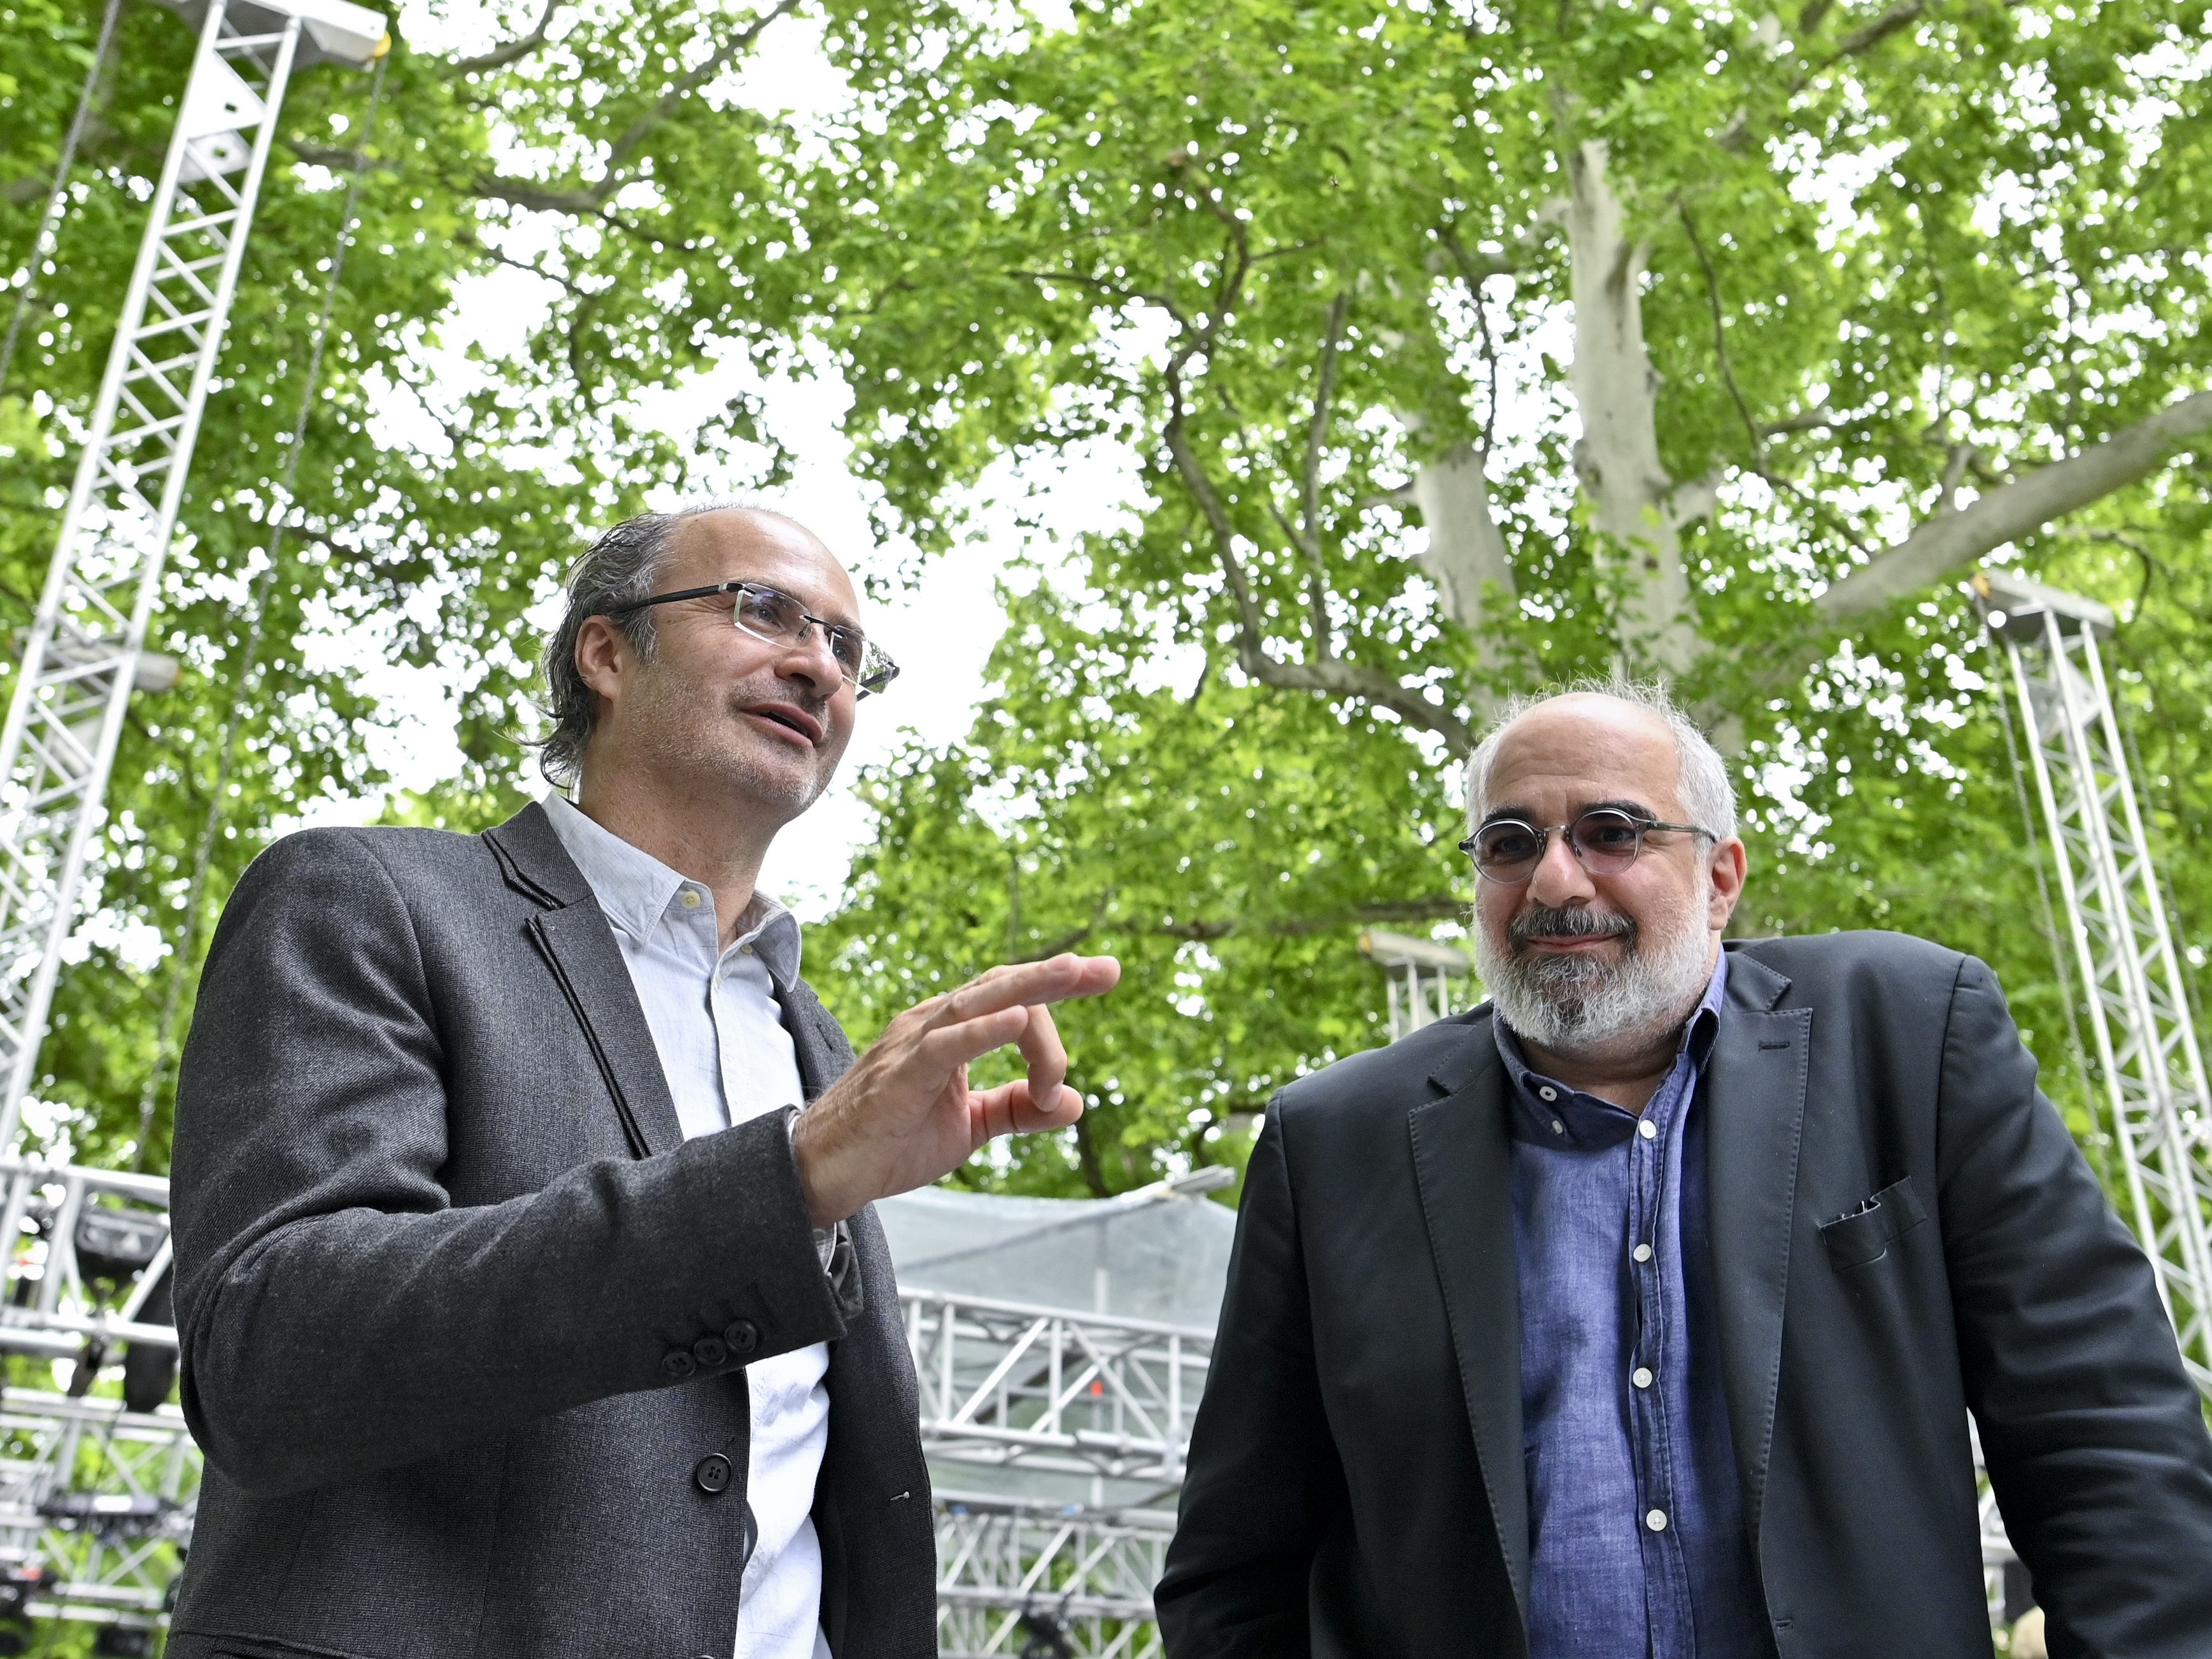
(1599, 749)
(748, 544)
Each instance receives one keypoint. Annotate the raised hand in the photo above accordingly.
(904, 1114)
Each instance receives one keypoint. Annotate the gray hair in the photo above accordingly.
(1707, 792)
(622, 565)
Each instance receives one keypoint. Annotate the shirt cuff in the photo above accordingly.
(825, 1239)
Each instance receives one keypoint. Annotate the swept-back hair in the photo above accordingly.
(1708, 793)
(622, 565)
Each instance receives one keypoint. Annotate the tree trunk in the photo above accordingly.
(1465, 549)
(1617, 458)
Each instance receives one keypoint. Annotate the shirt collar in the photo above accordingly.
(635, 889)
(1549, 1113)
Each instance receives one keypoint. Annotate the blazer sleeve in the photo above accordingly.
(2094, 1435)
(336, 1312)
(1262, 1463)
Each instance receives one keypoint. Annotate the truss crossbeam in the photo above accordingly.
(1010, 1385)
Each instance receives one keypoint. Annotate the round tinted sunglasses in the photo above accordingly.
(1604, 841)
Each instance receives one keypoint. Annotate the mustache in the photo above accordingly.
(1576, 923)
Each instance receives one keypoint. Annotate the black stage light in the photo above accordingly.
(1044, 1637)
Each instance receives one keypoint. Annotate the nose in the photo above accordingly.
(1559, 878)
(809, 657)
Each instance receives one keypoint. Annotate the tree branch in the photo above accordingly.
(501, 56)
(586, 200)
(1951, 540)
(1317, 429)
(1331, 676)
(1720, 335)
(1902, 16)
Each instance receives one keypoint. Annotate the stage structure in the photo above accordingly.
(2119, 936)
(1061, 1348)
(1421, 975)
(93, 1498)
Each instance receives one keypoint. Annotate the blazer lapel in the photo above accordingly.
(1462, 1166)
(573, 934)
(817, 1041)
(1754, 1098)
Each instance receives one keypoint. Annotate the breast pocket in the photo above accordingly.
(1863, 1235)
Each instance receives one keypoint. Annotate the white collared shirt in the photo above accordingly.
(727, 1058)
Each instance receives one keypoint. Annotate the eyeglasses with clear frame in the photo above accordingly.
(1605, 841)
(776, 617)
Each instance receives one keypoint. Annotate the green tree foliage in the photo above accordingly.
(597, 148)
(1468, 347)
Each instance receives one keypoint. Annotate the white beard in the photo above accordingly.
(1573, 1004)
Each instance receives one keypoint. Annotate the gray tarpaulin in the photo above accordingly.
(1155, 1256)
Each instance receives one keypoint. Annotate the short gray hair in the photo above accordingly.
(1708, 794)
(622, 566)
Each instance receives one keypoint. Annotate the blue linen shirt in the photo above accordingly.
(1636, 1542)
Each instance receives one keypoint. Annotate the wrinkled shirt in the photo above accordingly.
(719, 1029)
(1636, 1542)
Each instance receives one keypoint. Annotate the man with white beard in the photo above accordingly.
(1639, 1313)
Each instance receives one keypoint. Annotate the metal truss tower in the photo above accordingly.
(95, 1496)
(85, 648)
(2120, 938)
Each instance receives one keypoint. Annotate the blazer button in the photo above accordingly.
(675, 1364)
(713, 1475)
(742, 1336)
(709, 1352)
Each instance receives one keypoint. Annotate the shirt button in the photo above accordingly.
(1656, 1520)
(713, 1475)
(1642, 1253)
(690, 897)
(744, 950)
(1649, 1131)
(1557, 1127)
(1642, 1378)
(1548, 1092)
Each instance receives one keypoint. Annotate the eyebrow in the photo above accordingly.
(1515, 812)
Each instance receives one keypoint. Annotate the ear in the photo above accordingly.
(604, 656)
(1726, 869)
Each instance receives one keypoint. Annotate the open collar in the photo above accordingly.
(636, 891)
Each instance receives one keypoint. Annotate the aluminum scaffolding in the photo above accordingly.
(86, 647)
(95, 1494)
(1038, 1582)
(2159, 1110)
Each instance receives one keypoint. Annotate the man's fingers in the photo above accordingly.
(1010, 1110)
(1044, 1056)
(952, 1045)
(1054, 980)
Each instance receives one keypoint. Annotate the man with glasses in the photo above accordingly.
(1639, 1313)
(529, 1296)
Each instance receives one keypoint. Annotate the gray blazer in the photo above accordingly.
(464, 1318)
